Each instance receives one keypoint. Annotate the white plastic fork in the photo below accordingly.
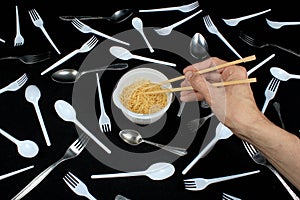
(196, 184)
(213, 29)
(270, 92)
(235, 21)
(77, 186)
(17, 84)
(19, 40)
(104, 120)
(86, 29)
(277, 25)
(87, 46)
(183, 8)
(38, 22)
(168, 29)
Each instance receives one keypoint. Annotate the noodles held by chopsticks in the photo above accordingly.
(133, 97)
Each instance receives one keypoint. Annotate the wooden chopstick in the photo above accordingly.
(219, 84)
(246, 59)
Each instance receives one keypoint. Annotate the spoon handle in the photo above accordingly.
(109, 37)
(15, 172)
(147, 41)
(118, 175)
(176, 150)
(295, 76)
(8, 136)
(153, 60)
(70, 18)
(39, 115)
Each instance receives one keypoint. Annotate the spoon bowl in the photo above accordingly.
(27, 148)
(32, 94)
(137, 23)
(199, 47)
(282, 74)
(65, 110)
(72, 75)
(120, 15)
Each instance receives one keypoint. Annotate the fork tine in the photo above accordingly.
(73, 178)
(77, 23)
(68, 182)
(22, 79)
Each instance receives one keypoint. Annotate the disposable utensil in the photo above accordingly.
(15, 172)
(72, 75)
(278, 25)
(17, 84)
(38, 22)
(1, 40)
(260, 44)
(270, 92)
(68, 113)
(31, 58)
(282, 75)
(86, 29)
(183, 8)
(26, 148)
(124, 54)
(222, 132)
(133, 137)
(121, 197)
(137, 23)
(117, 17)
(74, 150)
(32, 95)
(214, 30)
(277, 108)
(87, 46)
(157, 171)
(229, 197)
(104, 121)
(196, 184)
(197, 123)
(260, 64)
(168, 29)
(235, 21)
(77, 186)
(19, 40)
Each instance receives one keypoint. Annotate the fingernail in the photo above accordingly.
(188, 75)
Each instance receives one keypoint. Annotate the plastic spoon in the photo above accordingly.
(157, 171)
(33, 94)
(124, 54)
(138, 25)
(68, 113)
(133, 137)
(72, 75)
(282, 74)
(26, 148)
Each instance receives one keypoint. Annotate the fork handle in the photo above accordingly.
(36, 181)
(160, 9)
(229, 45)
(287, 187)
(285, 49)
(109, 37)
(185, 19)
(17, 20)
(49, 39)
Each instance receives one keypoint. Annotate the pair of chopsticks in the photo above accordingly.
(246, 59)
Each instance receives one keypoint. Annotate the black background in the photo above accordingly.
(228, 157)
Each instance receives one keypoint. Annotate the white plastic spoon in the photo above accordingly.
(157, 171)
(138, 25)
(282, 74)
(26, 148)
(68, 113)
(124, 54)
(32, 95)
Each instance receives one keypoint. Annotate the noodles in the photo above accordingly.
(134, 99)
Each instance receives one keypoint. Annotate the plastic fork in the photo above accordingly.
(104, 120)
(19, 40)
(214, 30)
(260, 159)
(77, 186)
(74, 150)
(260, 44)
(89, 45)
(270, 92)
(86, 29)
(17, 84)
(235, 21)
(38, 22)
(168, 29)
(31, 58)
(196, 184)
(278, 25)
(183, 8)
(229, 197)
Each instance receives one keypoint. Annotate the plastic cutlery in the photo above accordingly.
(26, 148)
(168, 29)
(89, 45)
(184, 8)
(33, 94)
(17, 84)
(15, 172)
(235, 21)
(124, 54)
(282, 74)
(1, 40)
(19, 40)
(278, 25)
(229, 197)
(138, 25)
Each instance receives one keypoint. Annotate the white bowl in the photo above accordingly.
(129, 78)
